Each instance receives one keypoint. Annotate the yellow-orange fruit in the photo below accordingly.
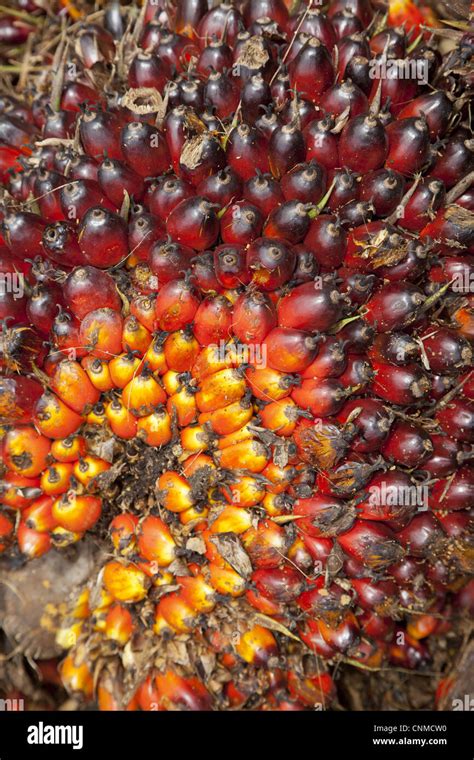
(123, 532)
(232, 520)
(175, 491)
(155, 428)
(25, 451)
(73, 386)
(248, 455)
(69, 449)
(155, 542)
(76, 676)
(122, 422)
(226, 581)
(119, 624)
(125, 582)
(54, 419)
(98, 373)
(181, 350)
(142, 394)
(88, 468)
(220, 389)
(135, 336)
(177, 612)
(257, 646)
(56, 479)
(124, 368)
(39, 515)
(77, 513)
(229, 418)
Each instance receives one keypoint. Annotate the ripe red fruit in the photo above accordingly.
(363, 144)
(87, 288)
(247, 151)
(254, 315)
(270, 262)
(311, 306)
(103, 238)
(263, 191)
(194, 223)
(175, 305)
(408, 145)
(241, 223)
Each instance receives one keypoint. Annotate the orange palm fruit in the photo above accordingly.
(155, 428)
(25, 451)
(125, 582)
(183, 405)
(97, 415)
(135, 336)
(280, 477)
(122, 422)
(32, 543)
(275, 504)
(172, 381)
(245, 491)
(220, 389)
(56, 478)
(178, 692)
(155, 542)
(232, 520)
(143, 308)
(269, 384)
(6, 530)
(61, 537)
(155, 355)
(265, 544)
(175, 491)
(280, 417)
(245, 433)
(54, 419)
(119, 624)
(124, 368)
(195, 462)
(257, 646)
(225, 580)
(421, 626)
(181, 350)
(39, 515)
(101, 333)
(76, 676)
(142, 394)
(197, 593)
(69, 449)
(122, 530)
(213, 359)
(194, 514)
(71, 383)
(248, 455)
(194, 438)
(77, 513)
(263, 604)
(176, 612)
(98, 373)
(229, 418)
(88, 468)
(17, 491)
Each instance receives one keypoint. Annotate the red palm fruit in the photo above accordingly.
(216, 56)
(371, 543)
(12, 305)
(380, 596)
(435, 107)
(344, 636)
(286, 149)
(163, 196)
(428, 197)
(279, 584)
(455, 492)
(23, 232)
(71, 383)
(80, 196)
(82, 167)
(457, 419)
(87, 288)
(182, 693)
(116, 178)
(213, 320)
(353, 46)
(247, 152)
(419, 536)
(229, 264)
(400, 385)
(358, 373)
(201, 156)
(456, 159)
(311, 635)
(271, 263)
(264, 192)
(103, 238)
(122, 422)
(272, 9)
(393, 40)
(257, 646)
(394, 307)
(135, 336)
(344, 95)
(176, 305)
(119, 624)
(391, 497)
(450, 229)
(142, 394)
(223, 20)
(358, 288)
(345, 190)
(194, 223)
(241, 223)
(69, 449)
(327, 239)
(358, 71)
(254, 315)
(396, 348)
(345, 23)
(31, 543)
(75, 94)
(384, 188)
(311, 307)
(363, 144)
(169, 260)
(77, 513)
(61, 244)
(307, 266)
(330, 360)
(446, 352)
(371, 420)
(56, 479)
(143, 231)
(304, 182)
(101, 333)
(25, 451)
(221, 188)
(148, 70)
(321, 397)
(143, 308)
(176, 51)
(255, 95)
(289, 222)
(322, 515)
(322, 142)
(444, 457)
(122, 531)
(17, 491)
(311, 72)
(144, 148)
(54, 419)
(221, 92)
(188, 16)
(358, 335)
(408, 145)
(203, 273)
(316, 24)
(289, 350)
(45, 189)
(265, 544)
(100, 133)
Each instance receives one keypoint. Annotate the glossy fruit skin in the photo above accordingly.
(254, 315)
(408, 145)
(103, 238)
(310, 307)
(194, 223)
(327, 239)
(263, 191)
(87, 288)
(241, 223)
(363, 144)
(270, 262)
(247, 151)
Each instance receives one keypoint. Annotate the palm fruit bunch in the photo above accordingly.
(236, 349)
